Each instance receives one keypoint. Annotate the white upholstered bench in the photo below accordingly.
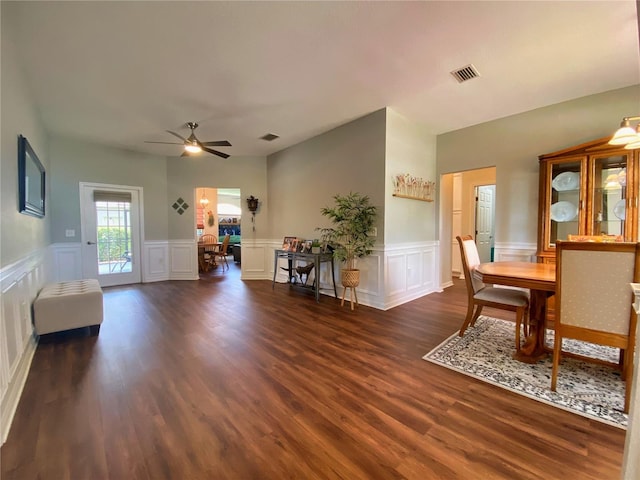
(68, 305)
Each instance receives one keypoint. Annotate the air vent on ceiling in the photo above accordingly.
(269, 137)
(465, 73)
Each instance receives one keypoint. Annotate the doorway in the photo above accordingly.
(219, 213)
(110, 233)
(459, 216)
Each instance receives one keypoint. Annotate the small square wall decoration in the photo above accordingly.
(180, 206)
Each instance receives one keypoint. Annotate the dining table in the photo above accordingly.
(207, 248)
(540, 279)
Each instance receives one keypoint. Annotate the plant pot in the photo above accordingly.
(350, 278)
(315, 249)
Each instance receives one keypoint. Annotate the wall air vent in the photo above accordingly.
(465, 73)
(269, 137)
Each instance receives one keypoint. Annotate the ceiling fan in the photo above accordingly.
(193, 145)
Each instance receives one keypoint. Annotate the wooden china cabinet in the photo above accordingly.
(589, 189)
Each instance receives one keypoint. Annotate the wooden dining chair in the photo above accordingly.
(209, 243)
(221, 252)
(594, 301)
(481, 295)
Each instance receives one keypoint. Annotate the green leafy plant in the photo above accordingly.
(353, 218)
(113, 242)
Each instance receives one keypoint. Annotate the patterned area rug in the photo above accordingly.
(585, 388)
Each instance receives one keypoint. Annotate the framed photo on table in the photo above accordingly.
(307, 246)
(287, 243)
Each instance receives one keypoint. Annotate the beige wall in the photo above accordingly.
(303, 178)
(20, 234)
(512, 145)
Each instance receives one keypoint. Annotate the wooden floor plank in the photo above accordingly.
(226, 379)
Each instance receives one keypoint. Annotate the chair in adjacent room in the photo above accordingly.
(481, 295)
(221, 252)
(207, 245)
(594, 301)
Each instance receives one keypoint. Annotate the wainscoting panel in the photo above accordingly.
(414, 270)
(256, 260)
(396, 278)
(67, 261)
(390, 276)
(515, 252)
(183, 258)
(410, 273)
(430, 269)
(156, 261)
(20, 283)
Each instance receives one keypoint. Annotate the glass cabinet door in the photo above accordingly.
(607, 212)
(565, 209)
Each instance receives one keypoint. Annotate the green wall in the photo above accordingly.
(185, 174)
(512, 144)
(74, 161)
(20, 234)
(303, 178)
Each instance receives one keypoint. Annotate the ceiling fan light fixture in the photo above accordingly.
(192, 147)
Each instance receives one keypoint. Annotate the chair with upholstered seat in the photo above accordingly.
(481, 295)
(594, 301)
(221, 253)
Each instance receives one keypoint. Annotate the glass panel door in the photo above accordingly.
(114, 237)
(110, 218)
(608, 209)
(566, 178)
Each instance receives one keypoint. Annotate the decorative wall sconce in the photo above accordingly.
(627, 135)
(252, 204)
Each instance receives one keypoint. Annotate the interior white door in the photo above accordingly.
(485, 206)
(110, 217)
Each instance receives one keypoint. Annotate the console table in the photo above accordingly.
(316, 258)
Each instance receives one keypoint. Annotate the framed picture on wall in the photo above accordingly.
(31, 180)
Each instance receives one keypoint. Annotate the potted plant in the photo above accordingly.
(353, 218)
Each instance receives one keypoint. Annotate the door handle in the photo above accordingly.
(91, 243)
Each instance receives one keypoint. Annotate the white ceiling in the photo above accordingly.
(119, 73)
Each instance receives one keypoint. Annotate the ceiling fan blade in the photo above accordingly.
(185, 154)
(166, 143)
(217, 143)
(215, 152)
(177, 135)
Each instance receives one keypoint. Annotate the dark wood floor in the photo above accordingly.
(224, 379)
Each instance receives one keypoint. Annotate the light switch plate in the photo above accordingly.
(69, 233)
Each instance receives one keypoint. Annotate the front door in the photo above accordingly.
(485, 204)
(110, 233)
